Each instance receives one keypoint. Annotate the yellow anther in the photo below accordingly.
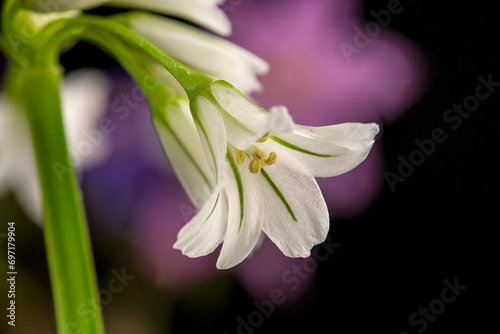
(262, 140)
(254, 166)
(240, 156)
(271, 160)
(258, 154)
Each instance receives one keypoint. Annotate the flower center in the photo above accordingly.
(258, 157)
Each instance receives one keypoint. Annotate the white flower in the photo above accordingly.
(84, 100)
(180, 140)
(263, 169)
(203, 12)
(209, 54)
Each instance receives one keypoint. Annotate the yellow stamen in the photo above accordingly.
(258, 154)
(262, 140)
(240, 156)
(254, 166)
(271, 160)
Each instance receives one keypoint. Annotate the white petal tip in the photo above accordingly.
(374, 128)
(280, 120)
(189, 251)
(224, 265)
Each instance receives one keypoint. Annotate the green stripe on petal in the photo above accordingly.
(237, 131)
(212, 133)
(207, 139)
(299, 149)
(179, 138)
(278, 193)
(213, 209)
(343, 147)
(186, 151)
(202, 51)
(237, 176)
(242, 117)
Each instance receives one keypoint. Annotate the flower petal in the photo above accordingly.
(206, 230)
(202, 51)
(278, 121)
(296, 216)
(17, 164)
(84, 102)
(329, 150)
(203, 12)
(211, 132)
(244, 223)
(243, 119)
(181, 143)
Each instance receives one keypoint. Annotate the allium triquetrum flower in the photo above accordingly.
(205, 52)
(261, 168)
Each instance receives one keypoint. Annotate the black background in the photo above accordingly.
(437, 225)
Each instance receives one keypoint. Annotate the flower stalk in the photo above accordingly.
(67, 242)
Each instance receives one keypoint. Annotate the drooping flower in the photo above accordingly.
(194, 47)
(153, 207)
(84, 98)
(209, 54)
(203, 12)
(315, 100)
(260, 168)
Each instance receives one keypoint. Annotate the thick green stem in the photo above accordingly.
(192, 82)
(67, 241)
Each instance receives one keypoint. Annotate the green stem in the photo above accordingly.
(192, 81)
(8, 9)
(67, 242)
(133, 60)
(158, 95)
